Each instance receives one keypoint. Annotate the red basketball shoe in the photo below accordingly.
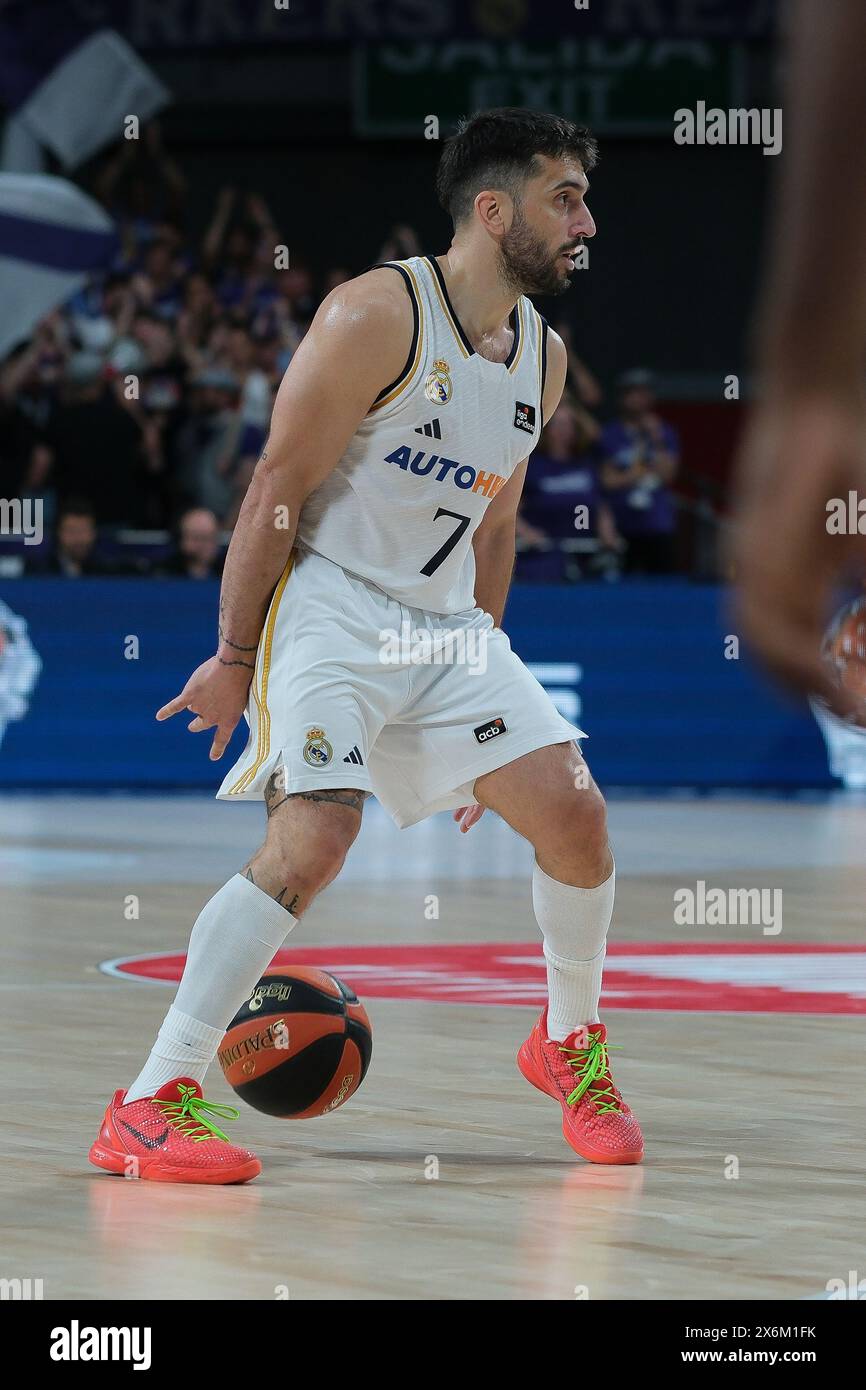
(170, 1137)
(596, 1121)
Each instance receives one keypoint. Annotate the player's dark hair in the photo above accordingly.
(500, 148)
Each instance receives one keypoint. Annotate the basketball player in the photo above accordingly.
(384, 506)
(806, 442)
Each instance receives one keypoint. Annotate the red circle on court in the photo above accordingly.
(748, 977)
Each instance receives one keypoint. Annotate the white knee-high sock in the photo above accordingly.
(574, 923)
(233, 941)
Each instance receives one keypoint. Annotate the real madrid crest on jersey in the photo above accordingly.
(317, 750)
(437, 387)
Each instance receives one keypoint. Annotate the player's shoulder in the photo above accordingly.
(555, 369)
(374, 301)
(557, 355)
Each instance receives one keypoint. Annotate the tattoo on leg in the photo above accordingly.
(278, 897)
(276, 794)
(355, 799)
(275, 791)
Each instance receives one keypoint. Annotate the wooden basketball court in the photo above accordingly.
(446, 1177)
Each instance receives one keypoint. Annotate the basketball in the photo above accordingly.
(844, 651)
(299, 1046)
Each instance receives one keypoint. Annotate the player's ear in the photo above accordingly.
(495, 210)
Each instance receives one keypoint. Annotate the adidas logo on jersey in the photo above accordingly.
(432, 430)
(354, 757)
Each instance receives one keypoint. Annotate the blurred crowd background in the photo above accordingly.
(261, 149)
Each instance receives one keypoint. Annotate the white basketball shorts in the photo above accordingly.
(354, 689)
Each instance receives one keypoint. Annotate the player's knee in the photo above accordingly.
(327, 852)
(313, 861)
(578, 830)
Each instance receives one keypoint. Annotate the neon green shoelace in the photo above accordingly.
(589, 1064)
(191, 1115)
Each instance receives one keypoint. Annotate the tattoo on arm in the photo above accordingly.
(236, 646)
(250, 665)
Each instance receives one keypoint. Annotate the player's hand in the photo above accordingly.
(797, 455)
(216, 694)
(467, 816)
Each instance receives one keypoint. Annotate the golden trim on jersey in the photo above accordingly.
(521, 333)
(539, 331)
(409, 371)
(263, 730)
(446, 308)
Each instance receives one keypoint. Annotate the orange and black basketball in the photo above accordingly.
(299, 1046)
(844, 652)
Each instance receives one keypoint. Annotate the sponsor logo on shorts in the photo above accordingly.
(492, 729)
(524, 417)
(317, 750)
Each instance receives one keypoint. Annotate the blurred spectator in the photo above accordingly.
(640, 457)
(562, 499)
(255, 386)
(74, 554)
(337, 275)
(197, 552)
(142, 187)
(163, 371)
(96, 445)
(401, 242)
(583, 382)
(197, 319)
(18, 445)
(207, 446)
(158, 285)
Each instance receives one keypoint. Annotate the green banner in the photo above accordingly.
(617, 87)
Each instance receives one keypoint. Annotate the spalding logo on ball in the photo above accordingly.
(299, 1046)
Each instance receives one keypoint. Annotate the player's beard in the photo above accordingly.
(526, 264)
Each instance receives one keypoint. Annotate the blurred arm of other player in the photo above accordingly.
(494, 540)
(358, 342)
(806, 441)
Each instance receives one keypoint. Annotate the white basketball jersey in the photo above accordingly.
(400, 508)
